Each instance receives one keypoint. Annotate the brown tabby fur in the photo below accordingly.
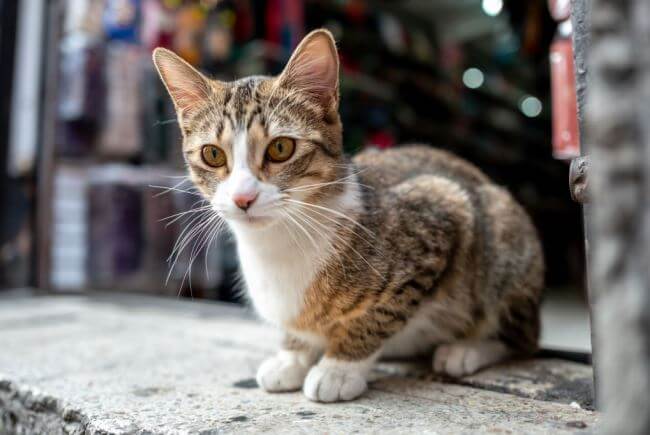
(431, 229)
(443, 235)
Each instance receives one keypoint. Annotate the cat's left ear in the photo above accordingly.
(314, 68)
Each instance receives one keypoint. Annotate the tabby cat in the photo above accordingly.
(402, 252)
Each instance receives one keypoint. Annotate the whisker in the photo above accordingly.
(293, 237)
(340, 224)
(167, 189)
(186, 238)
(177, 216)
(164, 122)
(215, 232)
(329, 183)
(303, 230)
(200, 242)
(306, 218)
(183, 240)
(176, 176)
(347, 177)
(347, 243)
(189, 227)
(335, 212)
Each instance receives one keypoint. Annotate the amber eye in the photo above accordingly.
(213, 156)
(280, 149)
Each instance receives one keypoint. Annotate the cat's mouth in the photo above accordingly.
(250, 220)
(259, 215)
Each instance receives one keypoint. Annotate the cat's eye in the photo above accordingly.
(280, 149)
(213, 156)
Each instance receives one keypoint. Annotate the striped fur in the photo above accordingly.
(390, 253)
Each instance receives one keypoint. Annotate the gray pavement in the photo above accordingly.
(133, 364)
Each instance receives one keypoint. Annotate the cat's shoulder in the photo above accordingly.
(390, 167)
(373, 155)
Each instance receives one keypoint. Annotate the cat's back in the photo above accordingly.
(434, 199)
(387, 168)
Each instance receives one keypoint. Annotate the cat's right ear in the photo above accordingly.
(187, 86)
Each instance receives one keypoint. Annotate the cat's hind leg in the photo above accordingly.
(466, 357)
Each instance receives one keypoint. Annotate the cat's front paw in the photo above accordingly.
(334, 383)
(283, 372)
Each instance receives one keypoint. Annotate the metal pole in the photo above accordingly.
(46, 165)
(578, 174)
(618, 131)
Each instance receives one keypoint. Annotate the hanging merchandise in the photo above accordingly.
(121, 19)
(81, 85)
(159, 126)
(381, 139)
(157, 25)
(293, 26)
(218, 40)
(532, 29)
(356, 11)
(560, 9)
(566, 135)
(82, 96)
(190, 21)
(506, 49)
(158, 239)
(285, 23)
(84, 16)
(244, 21)
(115, 232)
(392, 33)
(422, 48)
(121, 136)
(159, 130)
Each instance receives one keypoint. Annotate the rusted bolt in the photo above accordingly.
(578, 179)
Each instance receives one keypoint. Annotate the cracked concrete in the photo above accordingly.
(128, 364)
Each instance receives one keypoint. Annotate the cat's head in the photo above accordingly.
(254, 145)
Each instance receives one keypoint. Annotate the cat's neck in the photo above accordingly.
(281, 262)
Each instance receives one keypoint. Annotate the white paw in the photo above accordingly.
(333, 384)
(283, 372)
(466, 358)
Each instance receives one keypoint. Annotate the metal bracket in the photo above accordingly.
(578, 179)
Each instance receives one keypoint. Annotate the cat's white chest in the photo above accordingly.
(277, 272)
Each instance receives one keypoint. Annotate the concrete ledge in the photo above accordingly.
(127, 364)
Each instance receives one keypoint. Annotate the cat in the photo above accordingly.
(403, 252)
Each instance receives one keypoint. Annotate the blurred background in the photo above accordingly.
(89, 140)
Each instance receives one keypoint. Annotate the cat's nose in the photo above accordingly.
(244, 200)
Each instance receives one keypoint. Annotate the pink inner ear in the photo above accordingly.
(317, 62)
(186, 86)
(314, 69)
(187, 97)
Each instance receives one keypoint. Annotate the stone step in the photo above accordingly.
(108, 364)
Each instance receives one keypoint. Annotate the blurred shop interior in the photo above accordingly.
(89, 139)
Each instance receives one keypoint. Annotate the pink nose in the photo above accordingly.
(244, 200)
